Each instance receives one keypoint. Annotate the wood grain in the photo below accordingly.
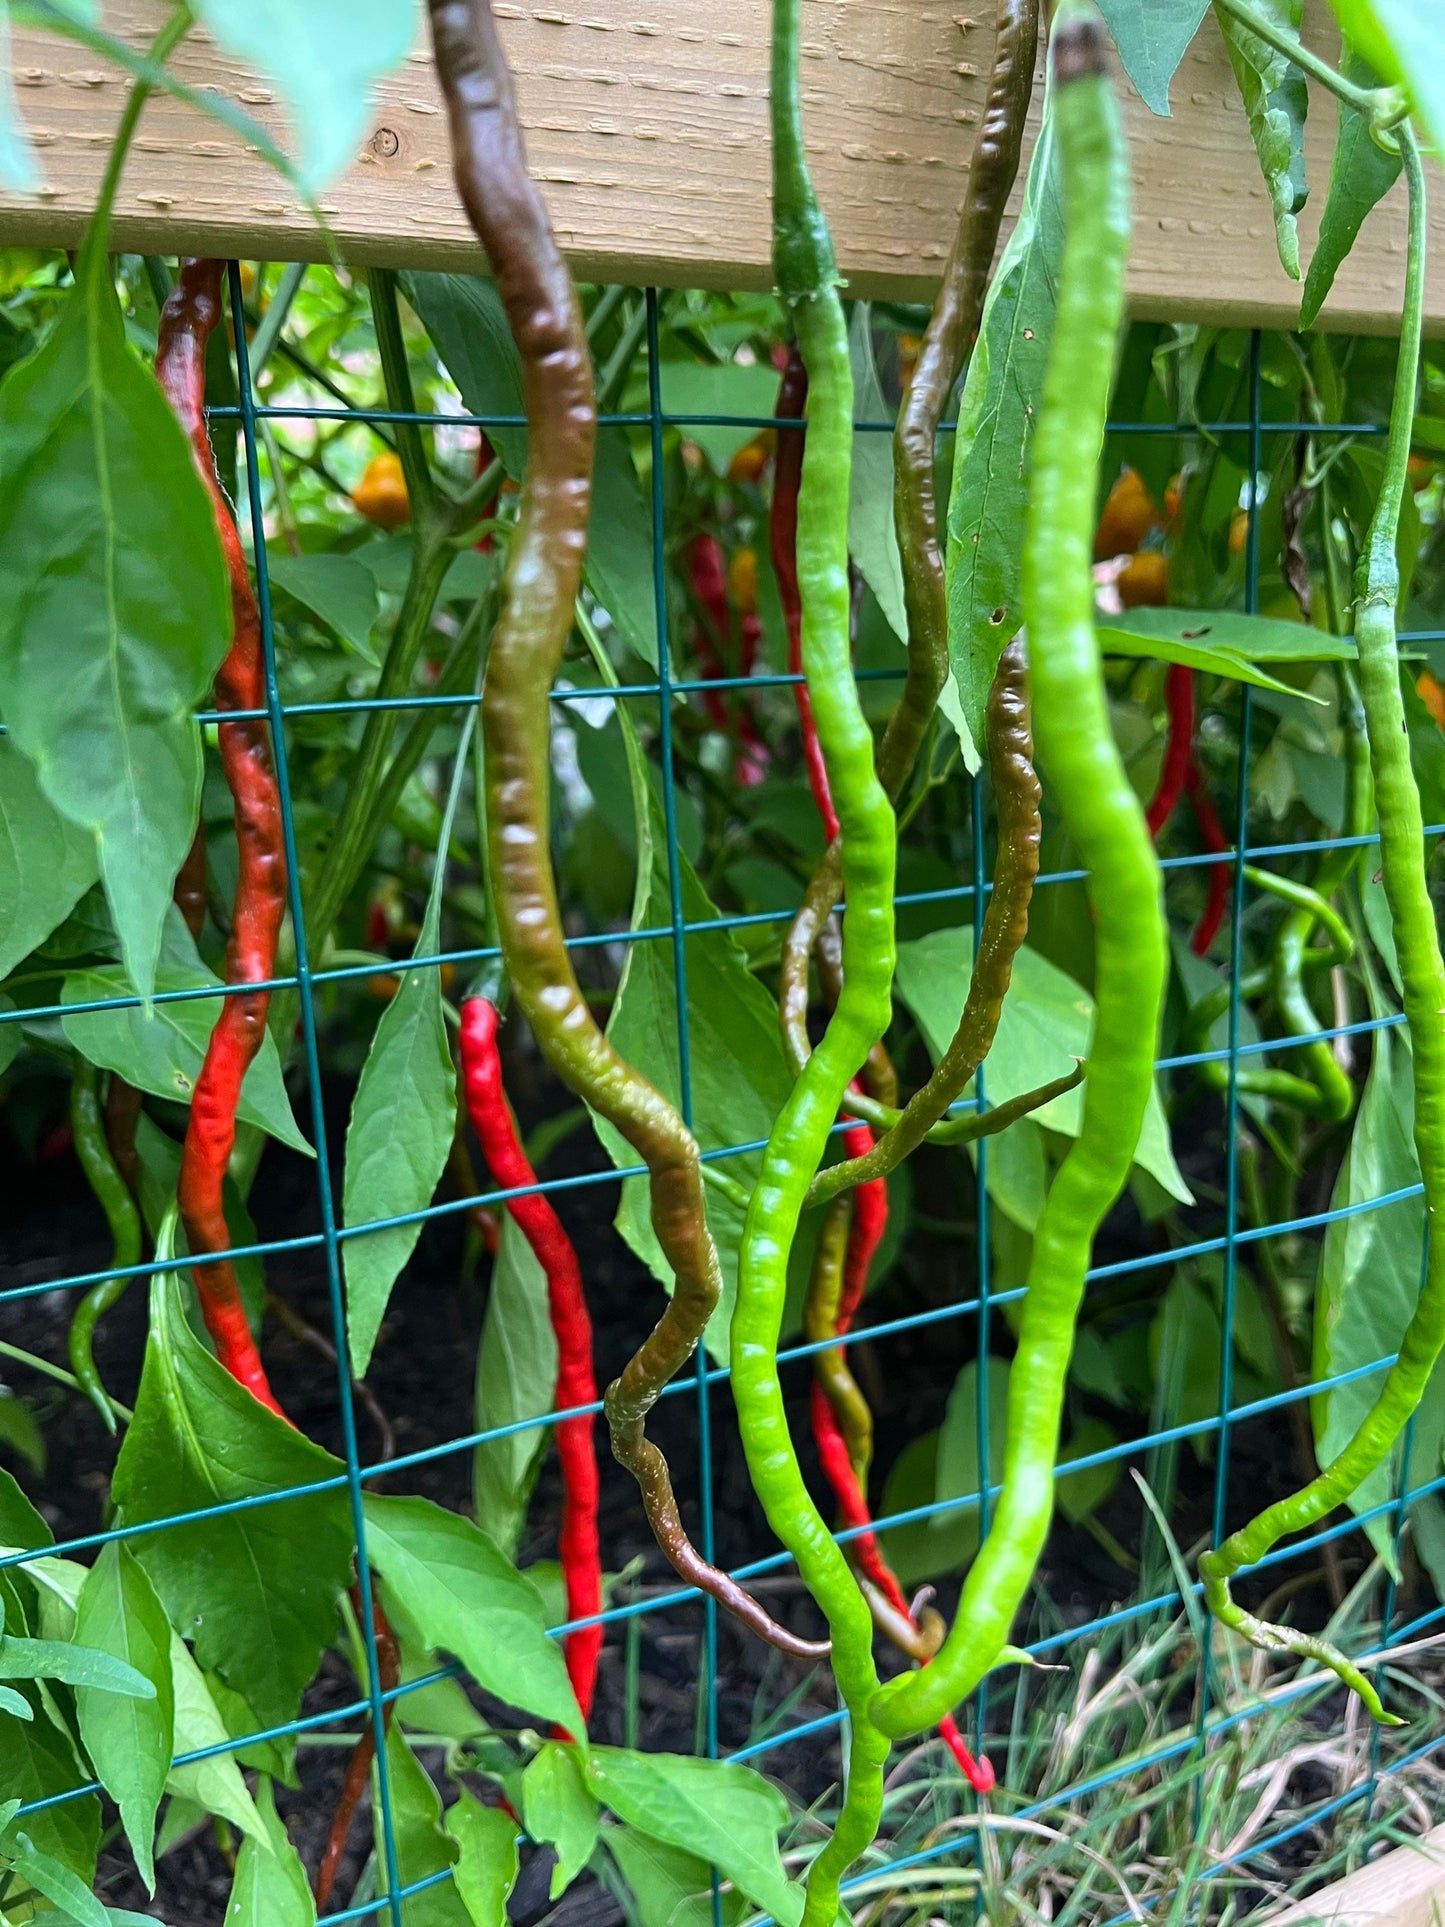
(1404, 1888)
(646, 121)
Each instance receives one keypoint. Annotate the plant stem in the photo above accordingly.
(397, 375)
(59, 1374)
(1364, 100)
(162, 47)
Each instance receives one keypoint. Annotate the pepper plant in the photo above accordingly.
(322, 738)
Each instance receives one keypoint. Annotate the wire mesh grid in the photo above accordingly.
(328, 1239)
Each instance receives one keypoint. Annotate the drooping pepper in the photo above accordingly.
(567, 1303)
(190, 314)
(540, 587)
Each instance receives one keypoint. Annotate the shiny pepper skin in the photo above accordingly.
(381, 494)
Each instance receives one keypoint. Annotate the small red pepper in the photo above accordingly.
(576, 1385)
(1180, 775)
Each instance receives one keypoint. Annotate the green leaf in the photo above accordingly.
(1045, 1022)
(996, 416)
(46, 863)
(270, 1888)
(872, 542)
(1080, 1494)
(559, 1811)
(78, 1666)
(1369, 1282)
(1276, 101)
(114, 605)
(255, 1589)
(21, 1526)
(1222, 642)
(163, 1052)
(740, 1077)
(402, 1121)
(18, 1429)
(129, 1740)
(1152, 37)
(325, 58)
(58, 1883)
(516, 1380)
(1404, 41)
(16, 1703)
(671, 1888)
(1361, 174)
(463, 314)
(486, 1866)
(467, 1598)
(214, 1785)
(719, 388)
(339, 589)
(726, 1815)
(422, 1848)
(36, 1762)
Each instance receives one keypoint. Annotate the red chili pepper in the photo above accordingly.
(707, 570)
(190, 314)
(538, 1222)
(783, 540)
(1180, 775)
(358, 1768)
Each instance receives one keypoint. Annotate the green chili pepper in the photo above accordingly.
(87, 1121)
(806, 275)
(1102, 814)
(1005, 924)
(539, 593)
(1422, 973)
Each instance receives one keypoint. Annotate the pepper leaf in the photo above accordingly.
(114, 605)
(422, 1848)
(727, 1815)
(983, 554)
(1045, 1023)
(1362, 173)
(338, 589)
(255, 1589)
(1404, 42)
(73, 1665)
(128, 1739)
(46, 863)
(560, 1811)
(486, 1866)
(57, 1883)
(1152, 37)
(162, 1050)
(516, 1380)
(215, 1784)
(872, 541)
(672, 1888)
(324, 57)
(270, 1888)
(466, 1598)
(1276, 100)
(402, 1122)
(37, 1761)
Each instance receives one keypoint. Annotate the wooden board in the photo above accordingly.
(1403, 1888)
(646, 121)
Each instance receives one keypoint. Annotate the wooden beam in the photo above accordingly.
(1403, 1888)
(646, 121)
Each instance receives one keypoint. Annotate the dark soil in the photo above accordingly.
(421, 1378)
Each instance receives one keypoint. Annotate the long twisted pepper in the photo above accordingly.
(106, 1181)
(1097, 804)
(806, 276)
(1005, 925)
(1181, 775)
(576, 1386)
(540, 586)
(1422, 973)
(187, 320)
(947, 339)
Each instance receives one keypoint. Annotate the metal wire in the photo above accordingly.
(666, 690)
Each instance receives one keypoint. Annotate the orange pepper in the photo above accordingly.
(1129, 515)
(1143, 583)
(743, 581)
(1432, 694)
(751, 459)
(381, 494)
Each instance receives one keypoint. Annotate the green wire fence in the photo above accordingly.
(667, 690)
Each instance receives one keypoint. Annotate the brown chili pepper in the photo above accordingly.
(1005, 925)
(190, 314)
(540, 586)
